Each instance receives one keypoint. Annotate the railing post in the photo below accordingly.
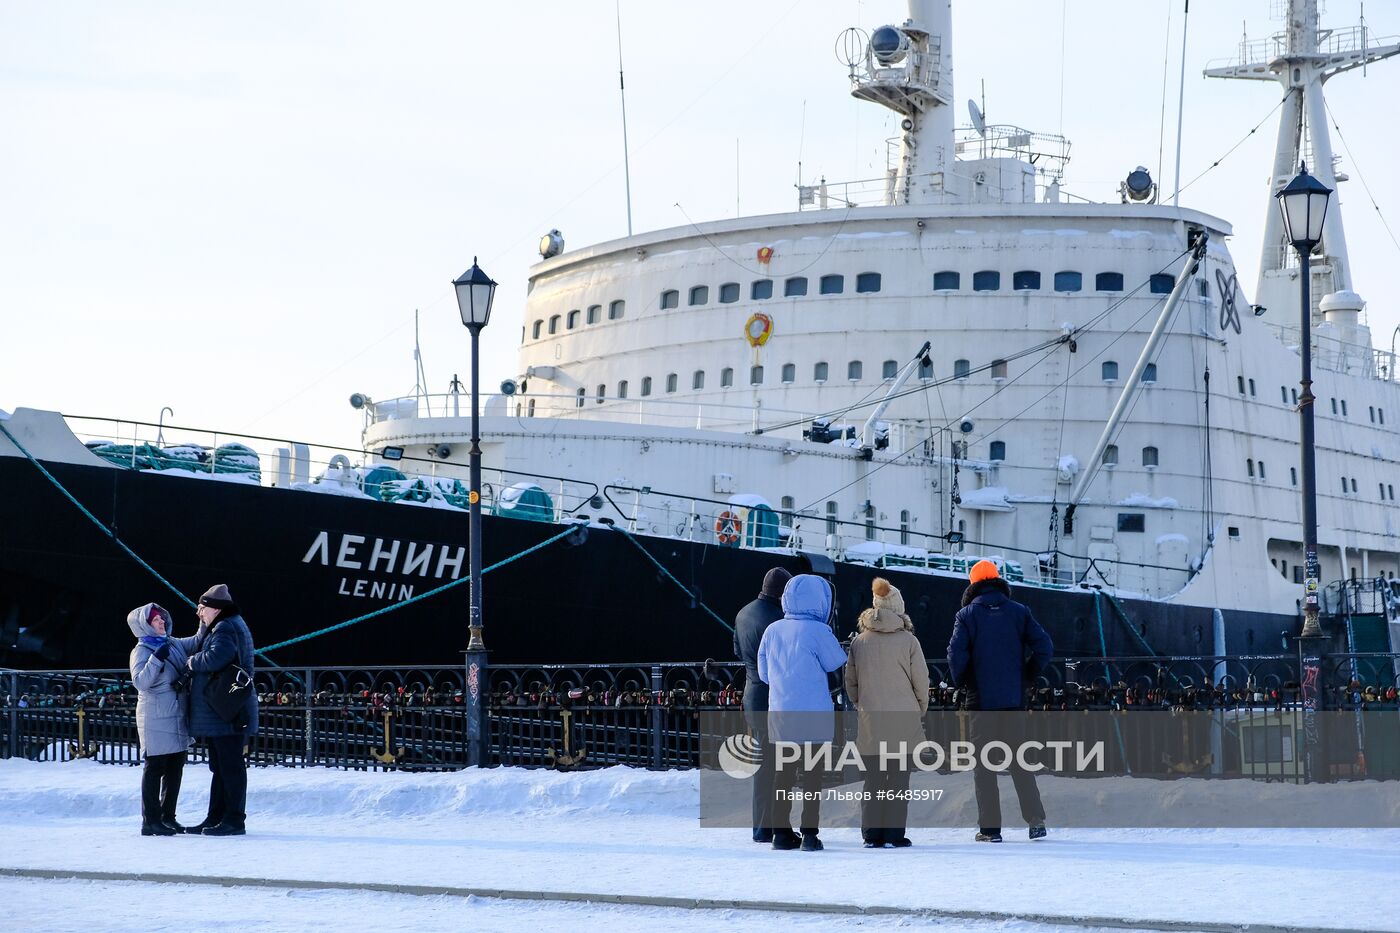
(12, 742)
(657, 717)
(309, 693)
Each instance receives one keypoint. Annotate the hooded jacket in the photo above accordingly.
(887, 680)
(228, 641)
(794, 657)
(162, 713)
(992, 636)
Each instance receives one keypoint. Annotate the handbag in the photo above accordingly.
(227, 692)
(228, 689)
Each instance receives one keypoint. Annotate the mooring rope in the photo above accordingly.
(672, 577)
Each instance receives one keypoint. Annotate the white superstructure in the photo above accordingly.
(698, 375)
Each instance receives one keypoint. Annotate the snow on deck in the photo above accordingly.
(634, 832)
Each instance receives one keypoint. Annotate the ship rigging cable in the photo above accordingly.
(1359, 174)
(1232, 149)
(1048, 347)
(1050, 344)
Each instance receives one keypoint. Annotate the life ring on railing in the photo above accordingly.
(728, 527)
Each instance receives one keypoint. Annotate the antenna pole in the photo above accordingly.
(622, 89)
(1181, 104)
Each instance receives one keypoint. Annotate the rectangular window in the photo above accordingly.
(889, 369)
(1068, 281)
(1298, 573)
(1293, 476)
(1251, 390)
(946, 281)
(762, 288)
(795, 287)
(535, 330)
(554, 323)
(699, 295)
(1149, 372)
(729, 293)
(595, 313)
(697, 381)
(1025, 280)
(1108, 282)
(868, 282)
(819, 372)
(572, 320)
(1132, 521)
(646, 385)
(671, 381)
(616, 309)
(789, 372)
(726, 377)
(998, 369)
(831, 518)
(670, 298)
(1161, 283)
(832, 284)
(987, 281)
(1283, 391)
(1344, 408)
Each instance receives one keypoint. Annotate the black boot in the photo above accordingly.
(785, 839)
(225, 829)
(171, 823)
(988, 836)
(156, 829)
(1037, 832)
(810, 843)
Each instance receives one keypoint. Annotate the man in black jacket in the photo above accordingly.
(997, 648)
(749, 626)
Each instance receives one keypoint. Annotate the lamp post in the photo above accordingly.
(1303, 204)
(474, 293)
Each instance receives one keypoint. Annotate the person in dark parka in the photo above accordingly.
(996, 649)
(749, 625)
(162, 716)
(223, 639)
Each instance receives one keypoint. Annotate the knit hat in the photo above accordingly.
(217, 596)
(774, 581)
(887, 596)
(983, 570)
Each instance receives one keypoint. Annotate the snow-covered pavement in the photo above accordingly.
(636, 833)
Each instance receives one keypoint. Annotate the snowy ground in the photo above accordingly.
(628, 832)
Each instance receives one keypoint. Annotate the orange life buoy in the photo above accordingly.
(728, 527)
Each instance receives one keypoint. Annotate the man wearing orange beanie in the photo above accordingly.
(992, 637)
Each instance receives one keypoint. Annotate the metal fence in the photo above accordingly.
(649, 715)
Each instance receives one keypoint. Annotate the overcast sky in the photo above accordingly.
(235, 209)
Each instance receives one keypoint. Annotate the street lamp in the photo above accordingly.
(475, 290)
(1303, 204)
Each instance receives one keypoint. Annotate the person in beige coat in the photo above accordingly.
(887, 680)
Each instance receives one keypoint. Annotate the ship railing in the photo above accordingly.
(274, 462)
(935, 188)
(1250, 713)
(627, 409)
(1346, 41)
(1339, 356)
(750, 521)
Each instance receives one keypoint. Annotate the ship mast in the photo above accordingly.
(1302, 59)
(908, 68)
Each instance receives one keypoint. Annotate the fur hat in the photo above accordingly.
(774, 581)
(887, 596)
(217, 596)
(983, 570)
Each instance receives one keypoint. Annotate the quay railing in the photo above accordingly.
(1253, 714)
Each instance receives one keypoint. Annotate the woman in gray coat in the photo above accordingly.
(162, 716)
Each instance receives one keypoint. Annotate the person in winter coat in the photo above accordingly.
(997, 648)
(223, 639)
(162, 716)
(887, 680)
(794, 657)
(749, 625)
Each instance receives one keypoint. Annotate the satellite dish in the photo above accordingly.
(979, 122)
(850, 46)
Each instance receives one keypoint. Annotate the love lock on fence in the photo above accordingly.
(384, 755)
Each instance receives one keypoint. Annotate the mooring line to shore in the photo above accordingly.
(663, 901)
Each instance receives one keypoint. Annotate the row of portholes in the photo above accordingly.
(987, 280)
(821, 373)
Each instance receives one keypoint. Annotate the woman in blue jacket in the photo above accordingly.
(794, 657)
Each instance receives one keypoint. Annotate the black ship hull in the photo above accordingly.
(301, 561)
